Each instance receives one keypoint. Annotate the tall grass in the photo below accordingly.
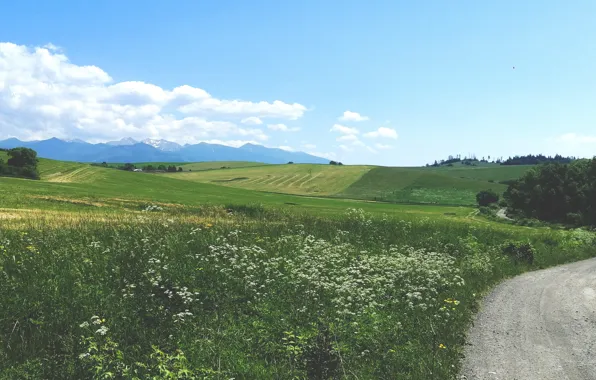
(254, 295)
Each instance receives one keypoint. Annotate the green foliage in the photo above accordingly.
(273, 295)
(22, 157)
(561, 193)
(487, 197)
(520, 251)
(22, 162)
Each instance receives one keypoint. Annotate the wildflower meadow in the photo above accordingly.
(264, 296)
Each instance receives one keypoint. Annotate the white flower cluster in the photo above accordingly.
(318, 272)
(152, 208)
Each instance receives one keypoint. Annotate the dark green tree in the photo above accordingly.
(486, 197)
(22, 157)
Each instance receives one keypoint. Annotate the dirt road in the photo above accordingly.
(538, 326)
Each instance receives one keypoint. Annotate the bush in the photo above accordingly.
(523, 252)
(486, 197)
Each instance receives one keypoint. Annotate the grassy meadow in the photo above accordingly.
(301, 179)
(455, 185)
(113, 274)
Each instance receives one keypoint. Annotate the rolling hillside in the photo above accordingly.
(69, 186)
(417, 185)
(486, 172)
(457, 185)
(290, 179)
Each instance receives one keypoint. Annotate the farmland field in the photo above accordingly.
(112, 274)
(450, 186)
(303, 179)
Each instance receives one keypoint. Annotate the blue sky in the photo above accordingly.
(437, 75)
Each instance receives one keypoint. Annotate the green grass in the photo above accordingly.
(456, 185)
(62, 180)
(276, 296)
(302, 179)
(223, 282)
(484, 172)
(417, 185)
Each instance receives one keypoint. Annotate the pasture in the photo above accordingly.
(113, 274)
(301, 179)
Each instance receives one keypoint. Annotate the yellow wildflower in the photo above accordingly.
(442, 346)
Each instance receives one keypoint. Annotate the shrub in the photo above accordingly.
(519, 251)
(486, 197)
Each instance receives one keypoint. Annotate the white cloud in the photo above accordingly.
(252, 120)
(351, 139)
(352, 116)
(309, 146)
(574, 138)
(345, 130)
(346, 148)
(282, 128)
(327, 155)
(43, 94)
(287, 148)
(382, 132)
(383, 146)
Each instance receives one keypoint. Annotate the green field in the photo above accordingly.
(485, 172)
(112, 274)
(104, 188)
(303, 179)
(445, 185)
(417, 185)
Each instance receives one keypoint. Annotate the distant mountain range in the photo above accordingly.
(130, 150)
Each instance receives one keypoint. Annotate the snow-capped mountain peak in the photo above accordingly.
(163, 145)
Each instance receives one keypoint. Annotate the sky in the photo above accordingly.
(393, 82)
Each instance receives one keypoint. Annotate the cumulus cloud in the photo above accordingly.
(43, 94)
(352, 116)
(282, 128)
(345, 130)
(382, 132)
(252, 120)
(575, 138)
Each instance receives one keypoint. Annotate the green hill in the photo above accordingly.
(486, 172)
(417, 185)
(70, 186)
(444, 185)
(302, 179)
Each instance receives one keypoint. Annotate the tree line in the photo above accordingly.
(529, 159)
(145, 168)
(22, 163)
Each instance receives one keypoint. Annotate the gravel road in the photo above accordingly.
(538, 326)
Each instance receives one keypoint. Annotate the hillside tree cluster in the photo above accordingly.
(22, 163)
(529, 159)
(555, 192)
